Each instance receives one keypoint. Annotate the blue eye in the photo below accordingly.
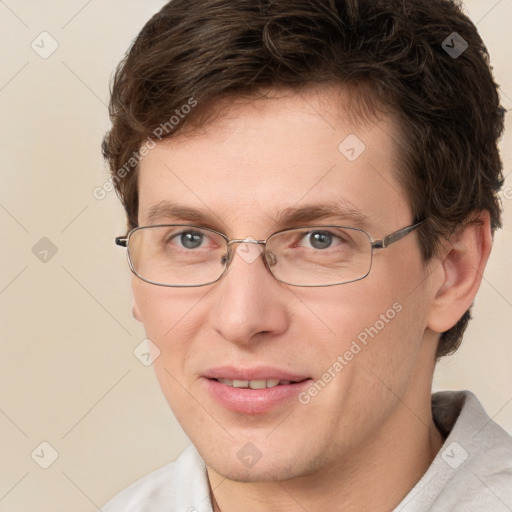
(191, 239)
(320, 239)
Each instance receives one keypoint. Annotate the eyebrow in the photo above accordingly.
(339, 212)
(336, 211)
(168, 210)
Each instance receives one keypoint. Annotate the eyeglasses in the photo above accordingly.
(183, 255)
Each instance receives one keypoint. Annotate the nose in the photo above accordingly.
(250, 304)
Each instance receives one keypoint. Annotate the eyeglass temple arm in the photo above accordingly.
(122, 241)
(394, 237)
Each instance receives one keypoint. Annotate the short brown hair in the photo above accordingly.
(394, 53)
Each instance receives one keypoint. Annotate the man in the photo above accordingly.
(311, 191)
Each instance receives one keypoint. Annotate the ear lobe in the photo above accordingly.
(463, 266)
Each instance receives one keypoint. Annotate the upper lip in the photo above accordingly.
(255, 373)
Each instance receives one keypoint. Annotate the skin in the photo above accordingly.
(368, 436)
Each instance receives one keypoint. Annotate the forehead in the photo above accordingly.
(255, 163)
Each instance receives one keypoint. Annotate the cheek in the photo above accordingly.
(376, 347)
(164, 310)
(378, 321)
(172, 319)
(351, 310)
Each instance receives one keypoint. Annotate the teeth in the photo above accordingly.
(257, 384)
(253, 384)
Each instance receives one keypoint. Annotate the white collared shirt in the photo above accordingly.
(471, 473)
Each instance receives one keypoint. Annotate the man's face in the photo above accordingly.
(247, 167)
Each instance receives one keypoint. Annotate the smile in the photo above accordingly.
(254, 391)
(254, 384)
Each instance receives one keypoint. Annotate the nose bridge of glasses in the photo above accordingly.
(249, 256)
(246, 241)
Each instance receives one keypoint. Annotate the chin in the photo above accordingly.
(272, 464)
(260, 472)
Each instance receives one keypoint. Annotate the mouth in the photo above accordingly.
(253, 391)
(255, 384)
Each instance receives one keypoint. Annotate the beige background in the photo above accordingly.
(68, 375)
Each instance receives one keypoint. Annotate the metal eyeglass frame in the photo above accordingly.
(383, 243)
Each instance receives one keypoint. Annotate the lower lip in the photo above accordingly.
(253, 401)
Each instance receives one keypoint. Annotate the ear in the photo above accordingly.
(463, 263)
(135, 312)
